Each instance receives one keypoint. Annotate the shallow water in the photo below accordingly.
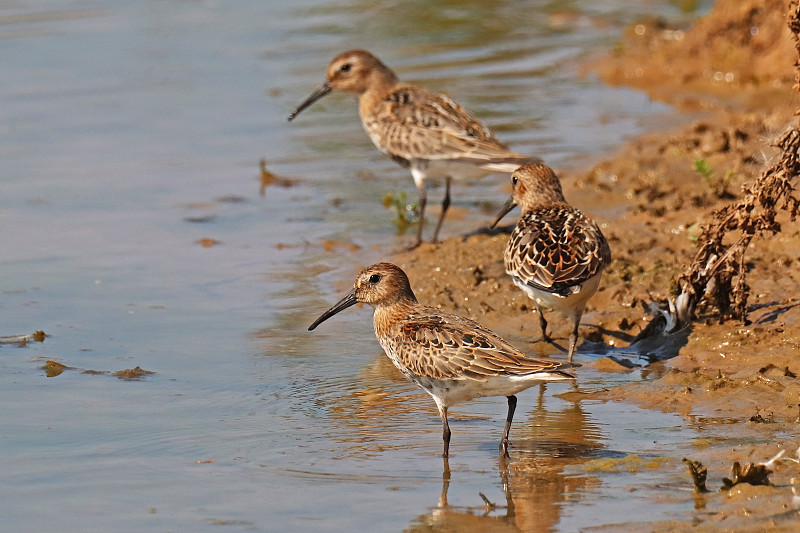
(131, 131)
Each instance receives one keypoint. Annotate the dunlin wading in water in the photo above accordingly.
(452, 358)
(426, 132)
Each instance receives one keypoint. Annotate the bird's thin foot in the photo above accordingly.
(504, 444)
(409, 248)
(486, 230)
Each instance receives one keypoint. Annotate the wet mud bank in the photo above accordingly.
(732, 77)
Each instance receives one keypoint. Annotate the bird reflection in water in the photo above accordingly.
(535, 486)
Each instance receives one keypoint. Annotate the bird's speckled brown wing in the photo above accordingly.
(438, 345)
(413, 123)
(556, 248)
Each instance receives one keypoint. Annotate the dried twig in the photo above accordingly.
(698, 473)
(753, 474)
(719, 269)
(490, 506)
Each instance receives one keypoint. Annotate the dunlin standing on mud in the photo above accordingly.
(556, 254)
(452, 358)
(426, 132)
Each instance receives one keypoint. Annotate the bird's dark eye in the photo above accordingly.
(345, 67)
(375, 278)
(514, 180)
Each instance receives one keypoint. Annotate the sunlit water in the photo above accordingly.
(129, 131)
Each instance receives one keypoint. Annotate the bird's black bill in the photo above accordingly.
(343, 304)
(508, 206)
(324, 89)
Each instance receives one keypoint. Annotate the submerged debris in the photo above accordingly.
(758, 419)
(207, 242)
(406, 214)
(54, 368)
(22, 340)
(698, 473)
(268, 178)
(331, 245)
(133, 374)
(490, 505)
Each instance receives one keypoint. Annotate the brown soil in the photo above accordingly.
(731, 75)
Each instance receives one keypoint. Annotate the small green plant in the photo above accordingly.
(693, 232)
(719, 186)
(405, 214)
(704, 169)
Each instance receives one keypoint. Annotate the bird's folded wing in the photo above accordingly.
(452, 347)
(557, 248)
(412, 123)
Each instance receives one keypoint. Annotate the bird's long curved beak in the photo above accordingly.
(508, 206)
(324, 89)
(343, 304)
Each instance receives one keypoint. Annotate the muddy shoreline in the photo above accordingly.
(735, 69)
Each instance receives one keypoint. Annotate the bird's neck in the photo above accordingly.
(380, 84)
(387, 316)
(546, 198)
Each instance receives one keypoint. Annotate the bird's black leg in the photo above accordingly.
(512, 405)
(445, 207)
(543, 324)
(422, 200)
(573, 338)
(445, 432)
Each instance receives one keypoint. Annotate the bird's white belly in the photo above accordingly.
(442, 168)
(455, 391)
(450, 392)
(554, 302)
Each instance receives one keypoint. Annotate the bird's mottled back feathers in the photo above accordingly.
(410, 122)
(438, 345)
(555, 248)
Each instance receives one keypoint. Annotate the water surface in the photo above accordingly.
(130, 131)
